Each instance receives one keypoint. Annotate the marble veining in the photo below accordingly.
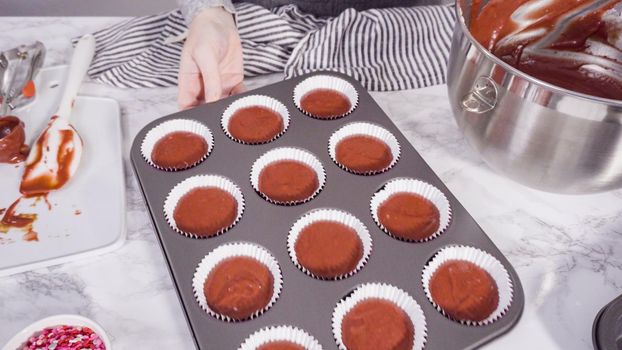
(567, 250)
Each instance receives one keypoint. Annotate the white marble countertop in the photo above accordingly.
(567, 250)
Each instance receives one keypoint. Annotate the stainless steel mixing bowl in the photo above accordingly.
(533, 132)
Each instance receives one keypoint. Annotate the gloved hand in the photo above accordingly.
(211, 61)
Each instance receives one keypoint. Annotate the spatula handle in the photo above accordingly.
(80, 62)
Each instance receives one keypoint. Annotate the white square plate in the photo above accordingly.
(87, 216)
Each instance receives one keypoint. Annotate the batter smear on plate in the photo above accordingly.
(11, 219)
(42, 175)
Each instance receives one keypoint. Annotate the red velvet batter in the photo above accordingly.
(328, 249)
(204, 211)
(238, 287)
(280, 345)
(363, 154)
(179, 150)
(581, 55)
(409, 216)
(465, 291)
(255, 124)
(288, 181)
(377, 324)
(325, 103)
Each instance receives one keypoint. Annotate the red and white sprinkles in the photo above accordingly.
(65, 338)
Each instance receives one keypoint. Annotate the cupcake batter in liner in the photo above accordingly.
(230, 250)
(483, 260)
(280, 333)
(184, 125)
(199, 181)
(333, 215)
(287, 154)
(255, 101)
(409, 185)
(364, 129)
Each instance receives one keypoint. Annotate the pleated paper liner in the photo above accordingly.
(409, 185)
(386, 292)
(280, 333)
(326, 82)
(485, 261)
(167, 127)
(334, 215)
(364, 129)
(253, 101)
(199, 181)
(230, 250)
(293, 154)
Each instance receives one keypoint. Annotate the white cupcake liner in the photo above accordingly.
(280, 333)
(230, 250)
(336, 215)
(482, 259)
(326, 82)
(287, 153)
(201, 181)
(386, 292)
(250, 101)
(421, 188)
(366, 129)
(169, 126)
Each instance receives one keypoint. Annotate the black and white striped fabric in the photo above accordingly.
(385, 49)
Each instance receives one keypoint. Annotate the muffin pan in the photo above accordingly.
(305, 302)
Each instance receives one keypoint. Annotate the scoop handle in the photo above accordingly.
(80, 62)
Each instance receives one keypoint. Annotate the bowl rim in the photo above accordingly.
(515, 71)
(63, 319)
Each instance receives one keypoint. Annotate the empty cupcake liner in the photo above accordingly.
(287, 153)
(419, 187)
(386, 292)
(326, 82)
(481, 259)
(280, 333)
(167, 127)
(231, 250)
(366, 129)
(201, 181)
(250, 101)
(336, 215)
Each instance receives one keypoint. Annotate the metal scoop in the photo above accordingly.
(56, 153)
(18, 66)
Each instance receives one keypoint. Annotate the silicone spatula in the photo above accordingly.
(55, 155)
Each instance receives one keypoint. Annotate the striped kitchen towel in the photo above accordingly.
(385, 49)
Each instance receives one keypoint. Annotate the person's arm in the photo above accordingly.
(211, 64)
(191, 8)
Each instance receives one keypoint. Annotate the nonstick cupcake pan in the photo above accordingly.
(305, 302)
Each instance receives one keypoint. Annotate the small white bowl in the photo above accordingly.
(57, 320)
